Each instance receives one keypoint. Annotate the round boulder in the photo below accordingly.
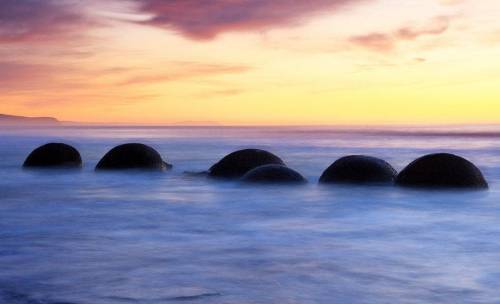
(273, 174)
(132, 156)
(359, 169)
(442, 170)
(54, 155)
(236, 164)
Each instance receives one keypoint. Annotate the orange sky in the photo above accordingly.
(252, 61)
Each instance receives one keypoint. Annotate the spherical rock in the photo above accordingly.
(132, 156)
(359, 169)
(442, 170)
(54, 155)
(236, 164)
(272, 174)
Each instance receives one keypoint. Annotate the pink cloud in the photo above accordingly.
(388, 41)
(187, 70)
(27, 76)
(374, 41)
(201, 19)
(437, 26)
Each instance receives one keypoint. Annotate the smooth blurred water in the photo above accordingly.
(82, 237)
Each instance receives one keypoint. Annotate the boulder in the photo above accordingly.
(359, 169)
(236, 164)
(273, 174)
(132, 156)
(442, 170)
(54, 155)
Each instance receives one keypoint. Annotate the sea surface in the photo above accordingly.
(77, 237)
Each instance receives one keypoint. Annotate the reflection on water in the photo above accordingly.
(82, 237)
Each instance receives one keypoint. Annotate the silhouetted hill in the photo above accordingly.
(22, 120)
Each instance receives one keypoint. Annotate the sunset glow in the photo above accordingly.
(252, 62)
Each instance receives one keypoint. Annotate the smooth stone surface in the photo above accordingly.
(132, 156)
(359, 169)
(273, 174)
(54, 155)
(236, 164)
(442, 170)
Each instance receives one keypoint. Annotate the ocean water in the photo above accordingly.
(77, 237)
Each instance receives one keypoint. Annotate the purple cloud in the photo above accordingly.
(39, 20)
(202, 19)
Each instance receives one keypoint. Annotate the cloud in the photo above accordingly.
(202, 19)
(437, 26)
(384, 42)
(187, 70)
(20, 76)
(451, 2)
(219, 93)
(27, 76)
(39, 20)
(374, 41)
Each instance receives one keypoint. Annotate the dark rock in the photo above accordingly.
(196, 173)
(132, 156)
(359, 169)
(236, 164)
(442, 170)
(273, 174)
(54, 155)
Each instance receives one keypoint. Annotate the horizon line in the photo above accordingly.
(65, 123)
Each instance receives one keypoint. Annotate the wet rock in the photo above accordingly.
(273, 174)
(196, 173)
(54, 155)
(132, 156)
(236, 164)
(359, 169)
(442, 170)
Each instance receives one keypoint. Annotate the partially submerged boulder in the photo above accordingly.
(54, 155)
(273, 174)
(236, 164)
(442, 170)
(132, 156)
(359, 169)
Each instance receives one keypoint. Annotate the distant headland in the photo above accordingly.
(16, 120)
(23, 120)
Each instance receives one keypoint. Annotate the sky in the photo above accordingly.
(252, 62)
